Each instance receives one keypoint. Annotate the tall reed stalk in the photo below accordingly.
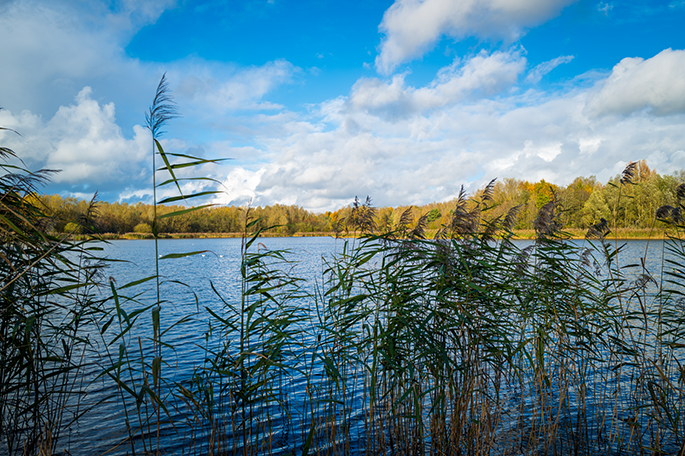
(147, 396)
(48, 305)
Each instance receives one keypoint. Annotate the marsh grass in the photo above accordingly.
(48, 297)
(465, 344)
(136, 359)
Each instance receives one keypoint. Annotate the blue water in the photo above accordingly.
(186, 291)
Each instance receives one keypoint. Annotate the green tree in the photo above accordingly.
(73, 228)
(433, 214)
(595, 208)
(572, 200)
(142, 228)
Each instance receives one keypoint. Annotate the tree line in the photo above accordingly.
(627, 201)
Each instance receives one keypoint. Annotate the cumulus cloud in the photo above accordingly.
(82, 140)
(239, 187)
(88, 145)
(324, 170)
(411, 27)
(482, 75)
(375, 95)
(356, 146)
(54, 49)
(656, 84)
(474, 121)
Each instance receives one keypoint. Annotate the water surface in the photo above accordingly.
(186, 291)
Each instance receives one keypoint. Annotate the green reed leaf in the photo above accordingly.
(184, 211)
(171, 199)
(181, 255)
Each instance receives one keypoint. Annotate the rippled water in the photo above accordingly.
(186, 291)
(103, 427)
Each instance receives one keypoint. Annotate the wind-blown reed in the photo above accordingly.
(47, 297)
(465, 344)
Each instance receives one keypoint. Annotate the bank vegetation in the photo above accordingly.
(581, 204)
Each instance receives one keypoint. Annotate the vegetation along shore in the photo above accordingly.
(580, 205)
(621, 234)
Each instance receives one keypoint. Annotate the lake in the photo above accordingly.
(187, 293)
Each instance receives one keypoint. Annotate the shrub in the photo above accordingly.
(142, 228)
(73, 228)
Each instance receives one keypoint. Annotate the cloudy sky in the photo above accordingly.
(317, 101)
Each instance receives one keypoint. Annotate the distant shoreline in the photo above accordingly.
(622, 234)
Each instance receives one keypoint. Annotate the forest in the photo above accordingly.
(581, 204)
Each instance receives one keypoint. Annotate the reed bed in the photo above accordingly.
(48, 304)
(464, 344)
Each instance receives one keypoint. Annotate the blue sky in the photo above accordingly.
(318, 101)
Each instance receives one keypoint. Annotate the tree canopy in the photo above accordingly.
(580, 204)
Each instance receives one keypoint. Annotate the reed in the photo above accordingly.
(465, 344)
(48, 297)
(135, 358)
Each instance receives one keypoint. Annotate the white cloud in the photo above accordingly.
(398, 143)
(224, 88)
(604, 8)
(411, 27)
(536, 74)
(547, 152)
(482, 75)
(239, 186)
(54, 49)
(657, 84)
(83, 140)
(373, 94)
(589, 145)
(88, 144)
(358, 145)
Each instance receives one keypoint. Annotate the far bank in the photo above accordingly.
(573, 233)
